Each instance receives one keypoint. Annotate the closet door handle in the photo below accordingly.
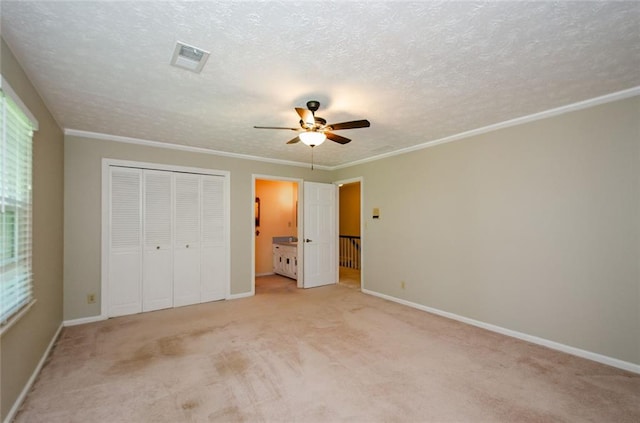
(158, 247)
(187, 245)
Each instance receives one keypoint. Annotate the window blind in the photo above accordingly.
(15, 208)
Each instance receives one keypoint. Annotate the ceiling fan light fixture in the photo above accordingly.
(312, 138)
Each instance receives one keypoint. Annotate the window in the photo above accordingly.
(16, 131)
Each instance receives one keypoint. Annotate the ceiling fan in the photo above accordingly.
(314, 129)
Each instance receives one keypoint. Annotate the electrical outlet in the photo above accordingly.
(402, 284)
(91, 298)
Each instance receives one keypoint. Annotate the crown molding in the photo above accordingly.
(171, 146)
(608, 98)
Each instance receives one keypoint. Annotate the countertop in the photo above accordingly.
(286, 240)
(287, 243)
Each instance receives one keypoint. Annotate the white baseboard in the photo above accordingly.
(264, 274)
(23, 395)
(241, 295)
(83, 320)
(610, 361)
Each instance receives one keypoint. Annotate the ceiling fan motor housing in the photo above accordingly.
(319, 123)
(313, 105)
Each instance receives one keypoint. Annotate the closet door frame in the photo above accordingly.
(105, 207)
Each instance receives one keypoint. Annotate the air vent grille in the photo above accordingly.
(189, 57)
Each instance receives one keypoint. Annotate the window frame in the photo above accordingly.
(23, 303)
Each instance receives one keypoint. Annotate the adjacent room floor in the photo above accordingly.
(327, 354)
(350, 277)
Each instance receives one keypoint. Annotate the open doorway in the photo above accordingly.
(276, 258)
(350, 244)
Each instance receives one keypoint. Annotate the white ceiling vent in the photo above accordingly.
(189, 57)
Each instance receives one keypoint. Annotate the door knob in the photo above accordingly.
(307, 240)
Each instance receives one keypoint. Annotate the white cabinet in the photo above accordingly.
(168, 239)
(285, 260)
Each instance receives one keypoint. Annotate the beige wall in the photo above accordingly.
(534, 228)
(82, 229)
(350, 209)
(277, 218)
(23, 345)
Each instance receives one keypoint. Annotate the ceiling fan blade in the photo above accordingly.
(294, 141)
(337, 138)
(306, 116)
(276, 127)
(349, 125)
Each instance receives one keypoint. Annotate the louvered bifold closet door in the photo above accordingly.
(214, 254)
(125, 243)
(157, 274)
(186, 264)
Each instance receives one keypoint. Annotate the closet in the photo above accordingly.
(168, 239)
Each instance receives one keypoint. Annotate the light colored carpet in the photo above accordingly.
(329, 354)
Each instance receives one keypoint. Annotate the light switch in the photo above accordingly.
(376, 213)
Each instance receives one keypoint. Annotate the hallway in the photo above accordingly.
(349, 277)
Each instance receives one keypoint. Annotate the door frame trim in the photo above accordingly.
(251, 204)
(362, 224)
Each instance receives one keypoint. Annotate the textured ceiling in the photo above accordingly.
(419, 71)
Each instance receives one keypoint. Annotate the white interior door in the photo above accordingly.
(320, 234)
(186, 264)
(213, 259)
(165, 237)
(125, 242)
(157, 279)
